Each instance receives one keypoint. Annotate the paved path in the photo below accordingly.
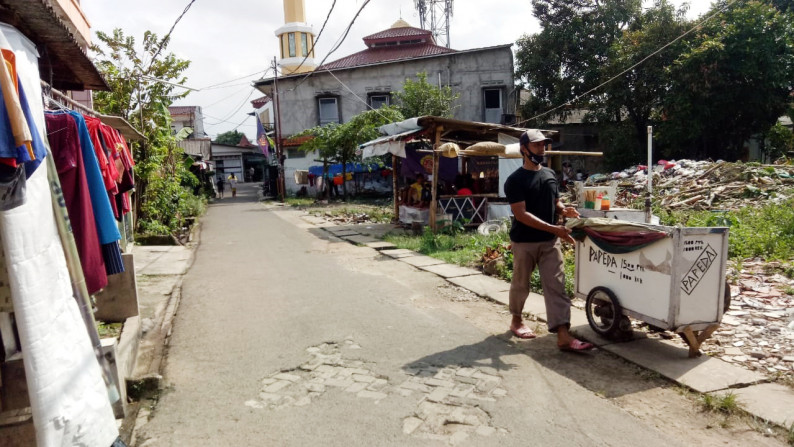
(287, 335)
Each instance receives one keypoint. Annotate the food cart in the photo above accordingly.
(672, 278)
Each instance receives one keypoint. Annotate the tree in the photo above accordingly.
(733, 80)
(626, 104)
(338, 143)
(232, 138)
(420, 98)
(163, 199)
(565, 59)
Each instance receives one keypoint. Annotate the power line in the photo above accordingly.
(662, 48)
(358, 97)
(264, 72)
(163, 41)
(339, 43)
(317, 39)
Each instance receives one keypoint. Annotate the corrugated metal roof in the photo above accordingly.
(70, 66)
(386, 54)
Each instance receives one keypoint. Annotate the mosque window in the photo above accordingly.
(304, 44)
(291, 38)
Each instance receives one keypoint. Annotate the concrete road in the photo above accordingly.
(286, 336)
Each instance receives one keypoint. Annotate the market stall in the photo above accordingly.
(453, 139)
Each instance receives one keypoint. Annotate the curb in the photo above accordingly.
(705, 375)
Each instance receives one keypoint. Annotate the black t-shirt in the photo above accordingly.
(538, 190)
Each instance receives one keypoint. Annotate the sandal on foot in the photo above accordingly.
(576, 346)
(523, 332)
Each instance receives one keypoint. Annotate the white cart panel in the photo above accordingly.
(700, 267)
(640, 280)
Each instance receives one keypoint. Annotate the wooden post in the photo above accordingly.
(696, 338)
(396, 204)
(433, 203)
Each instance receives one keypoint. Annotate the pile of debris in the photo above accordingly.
(701, 184)
(757, 332)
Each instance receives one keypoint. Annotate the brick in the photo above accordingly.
(438, 395)
(485, 430)
(410, 424)
(288, 377)
(277, 386)
(327, 368)
(441, 383)
(465, 372)
(340, 383)
(461, 390)
(377, 385)
(499, 392)
(486, 385)
(269, 397)
(268, 381)
(482, 376)
(370, 395)
(315, 387)
(356, 387)
(363, 378)
(415, 386)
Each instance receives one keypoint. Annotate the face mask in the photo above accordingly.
(534, 158)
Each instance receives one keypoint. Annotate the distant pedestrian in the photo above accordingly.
(221, 185)
(233, 184)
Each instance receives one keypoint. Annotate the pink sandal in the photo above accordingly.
(523, 332)
(577, 346)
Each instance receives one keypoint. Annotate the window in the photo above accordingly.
(492, 97)
(291, 38)
(304, 44)
(328, 110)
(295, 153)
(378, 101)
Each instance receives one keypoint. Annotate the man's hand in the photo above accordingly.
(569, 211)
(564, 233)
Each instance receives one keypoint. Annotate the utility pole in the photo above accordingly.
(282, 190)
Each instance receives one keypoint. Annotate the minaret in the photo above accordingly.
(296, 39)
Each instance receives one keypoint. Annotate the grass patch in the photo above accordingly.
(765, 231)
(725, 404)
(108, 330)
(299, 202)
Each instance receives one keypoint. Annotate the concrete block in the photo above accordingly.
(421, 260)
(119, 300)
(127, 348)
(771, 401)
(359, 239)
(481, 284)
(449, 271)
(109, 350)
(380, 245)
(398, 253)
(703, 374)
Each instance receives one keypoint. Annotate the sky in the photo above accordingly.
(232, 42)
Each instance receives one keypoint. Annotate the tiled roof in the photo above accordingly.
(395, 33)
(386, 54)
(259, 102)
(182, 110)
(295, 141)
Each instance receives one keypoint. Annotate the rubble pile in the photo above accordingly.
(757, 332)
(701, 184)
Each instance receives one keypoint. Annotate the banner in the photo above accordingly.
(261, 138)
(422, 162)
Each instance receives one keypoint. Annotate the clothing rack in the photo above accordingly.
(123, 126)
(70, 101)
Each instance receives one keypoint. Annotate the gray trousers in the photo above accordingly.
(547, 257)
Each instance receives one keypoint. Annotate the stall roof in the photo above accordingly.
(65, 63)
(123, 126)
(464, 133)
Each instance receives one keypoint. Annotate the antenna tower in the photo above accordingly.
(438, 12)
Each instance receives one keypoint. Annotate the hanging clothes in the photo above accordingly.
(65, 146)
(107, 230)
(68, 397)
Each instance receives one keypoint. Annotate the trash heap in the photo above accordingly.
(701, 185)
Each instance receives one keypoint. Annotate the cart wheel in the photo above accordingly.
(604, 312)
